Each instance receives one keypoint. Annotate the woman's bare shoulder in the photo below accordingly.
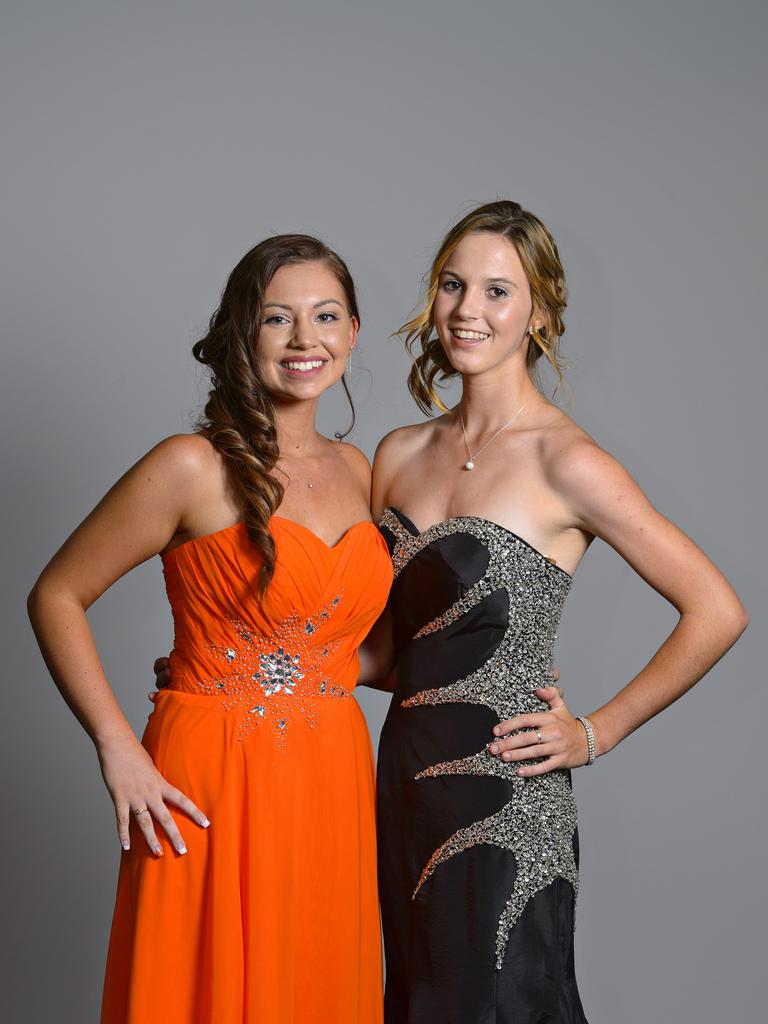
(562, 441)
(357, 462)
(191, 451)
(583, 472)
(406, 440)
(398, 447)
(188, 461)
(188, 453)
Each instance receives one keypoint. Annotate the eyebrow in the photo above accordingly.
(281, 305)
(490, 280)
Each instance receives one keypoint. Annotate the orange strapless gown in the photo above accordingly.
(272, 916)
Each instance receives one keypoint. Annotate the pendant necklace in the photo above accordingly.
(470, 463)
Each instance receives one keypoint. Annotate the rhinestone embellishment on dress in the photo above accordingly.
(278, 671)
(538, 823)
(273, 677)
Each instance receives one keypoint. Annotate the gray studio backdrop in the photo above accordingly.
(148, 145)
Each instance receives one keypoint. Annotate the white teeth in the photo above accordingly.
(470, 335)
(304, 365)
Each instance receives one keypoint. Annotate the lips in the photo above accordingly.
(461, 334)
(302, 367)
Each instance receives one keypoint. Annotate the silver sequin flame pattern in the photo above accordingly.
(537, 825)
(272, 677)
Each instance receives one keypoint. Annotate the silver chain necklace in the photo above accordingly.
(470, 463)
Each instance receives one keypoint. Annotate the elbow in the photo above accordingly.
(732, 622)
(740, 620)
(35, 600)
(723, 623)
(39, 600)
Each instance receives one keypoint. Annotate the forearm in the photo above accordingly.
(64, 635)
(385, 683)
(697, 643)
(377, 655)
(376, 669)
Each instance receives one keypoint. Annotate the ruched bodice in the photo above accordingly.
(299, 643)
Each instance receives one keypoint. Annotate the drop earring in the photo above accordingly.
(349, 361)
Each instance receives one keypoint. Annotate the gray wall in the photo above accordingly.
(148, 145)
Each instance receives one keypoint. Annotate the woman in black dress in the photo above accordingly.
(488, 510)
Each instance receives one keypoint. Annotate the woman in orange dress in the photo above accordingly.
(268, 911)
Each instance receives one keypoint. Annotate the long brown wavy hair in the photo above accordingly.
(239, 416)
(541, 262)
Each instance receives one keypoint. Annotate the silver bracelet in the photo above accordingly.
(591, 747)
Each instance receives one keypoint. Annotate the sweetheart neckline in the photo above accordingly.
(278, 519)
(413, 529)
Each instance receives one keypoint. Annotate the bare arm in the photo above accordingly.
(611, 505)
(133, 522)
(376, 649)
(607, 503)
(377, 656)
(390, 453)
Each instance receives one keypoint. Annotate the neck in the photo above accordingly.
(296, 431)
(489, 400)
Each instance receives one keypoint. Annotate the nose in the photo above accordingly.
(468, 307)
(303, 335)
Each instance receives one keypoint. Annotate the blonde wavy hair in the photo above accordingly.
(541, 262)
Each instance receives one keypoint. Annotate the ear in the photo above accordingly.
(538, 322)
(355, 327)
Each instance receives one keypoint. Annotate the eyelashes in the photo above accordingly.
(452, 286)
(277, 319)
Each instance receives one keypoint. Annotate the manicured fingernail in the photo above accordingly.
(158, 851)
(494, 748)
(126, 845)
(497, 731)
(506, 756)
(205, 823)
(181, 849)
(520, 771)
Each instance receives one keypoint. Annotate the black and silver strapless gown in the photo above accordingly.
(477, 866)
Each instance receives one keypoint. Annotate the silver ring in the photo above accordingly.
(539, 737)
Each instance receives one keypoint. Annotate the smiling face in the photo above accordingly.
(483, 307)
(306, 331)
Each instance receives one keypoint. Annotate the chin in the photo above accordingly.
(469, 362)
